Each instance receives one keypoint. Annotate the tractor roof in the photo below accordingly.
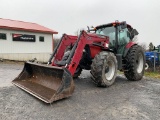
(111, 24)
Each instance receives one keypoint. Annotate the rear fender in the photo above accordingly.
(128, 46)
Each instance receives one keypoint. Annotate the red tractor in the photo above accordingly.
(102, 50)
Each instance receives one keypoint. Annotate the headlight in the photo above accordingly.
(106, 45)
(152, 56)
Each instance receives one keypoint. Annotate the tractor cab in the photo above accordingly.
(120, 34)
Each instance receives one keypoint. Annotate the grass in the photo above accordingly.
(148, 74)
(152, 74)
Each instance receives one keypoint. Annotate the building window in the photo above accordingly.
(41, 39)
(3, 36)
(24, 38)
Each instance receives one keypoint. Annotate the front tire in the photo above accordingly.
(77, 72)
(135, 63)
(104, 69)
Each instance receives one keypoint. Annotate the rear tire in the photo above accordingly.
(104, 69)
(135, 63)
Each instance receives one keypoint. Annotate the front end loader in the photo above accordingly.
(103, 50)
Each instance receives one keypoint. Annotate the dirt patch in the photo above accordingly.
(8, 71)
(5, 61)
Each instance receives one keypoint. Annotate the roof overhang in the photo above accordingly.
(28, 30)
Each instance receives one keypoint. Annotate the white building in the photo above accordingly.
(24, 41)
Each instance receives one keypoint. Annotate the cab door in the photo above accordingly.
(123, 39)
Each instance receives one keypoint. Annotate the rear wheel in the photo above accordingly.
(104, 69)
(135, 63)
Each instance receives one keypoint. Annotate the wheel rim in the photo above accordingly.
(146, 66)
(110, 70)
(140, 63)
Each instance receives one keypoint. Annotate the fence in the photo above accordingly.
(156, 62)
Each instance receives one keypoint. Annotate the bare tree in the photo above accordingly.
(143, 45)
(77, 32)
(56, 41)
(135, 39)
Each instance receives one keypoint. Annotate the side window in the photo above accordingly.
(3, 36)
(41, 39)
(123, 37)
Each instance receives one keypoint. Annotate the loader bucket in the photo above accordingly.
(45, 82)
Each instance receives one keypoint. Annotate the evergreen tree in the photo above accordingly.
(151, 46)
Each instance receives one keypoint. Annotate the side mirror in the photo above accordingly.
(90, 29)
(123, 25)
(133, 33)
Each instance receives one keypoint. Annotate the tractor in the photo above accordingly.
(103, 50)
(152, 58)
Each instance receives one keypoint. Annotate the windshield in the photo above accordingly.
(107, 31)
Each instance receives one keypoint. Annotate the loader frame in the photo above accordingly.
(96, 44)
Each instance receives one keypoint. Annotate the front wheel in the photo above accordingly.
(104, 69)
(148, 65)
(135, 63)
(77, 72)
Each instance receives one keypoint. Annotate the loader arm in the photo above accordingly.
(58, 53)
(77, 50)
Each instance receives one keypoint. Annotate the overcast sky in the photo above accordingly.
(68, 16)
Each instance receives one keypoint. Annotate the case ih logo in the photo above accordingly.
(16, 35)
(25, 38)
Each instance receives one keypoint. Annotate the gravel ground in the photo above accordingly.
(138, 100)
